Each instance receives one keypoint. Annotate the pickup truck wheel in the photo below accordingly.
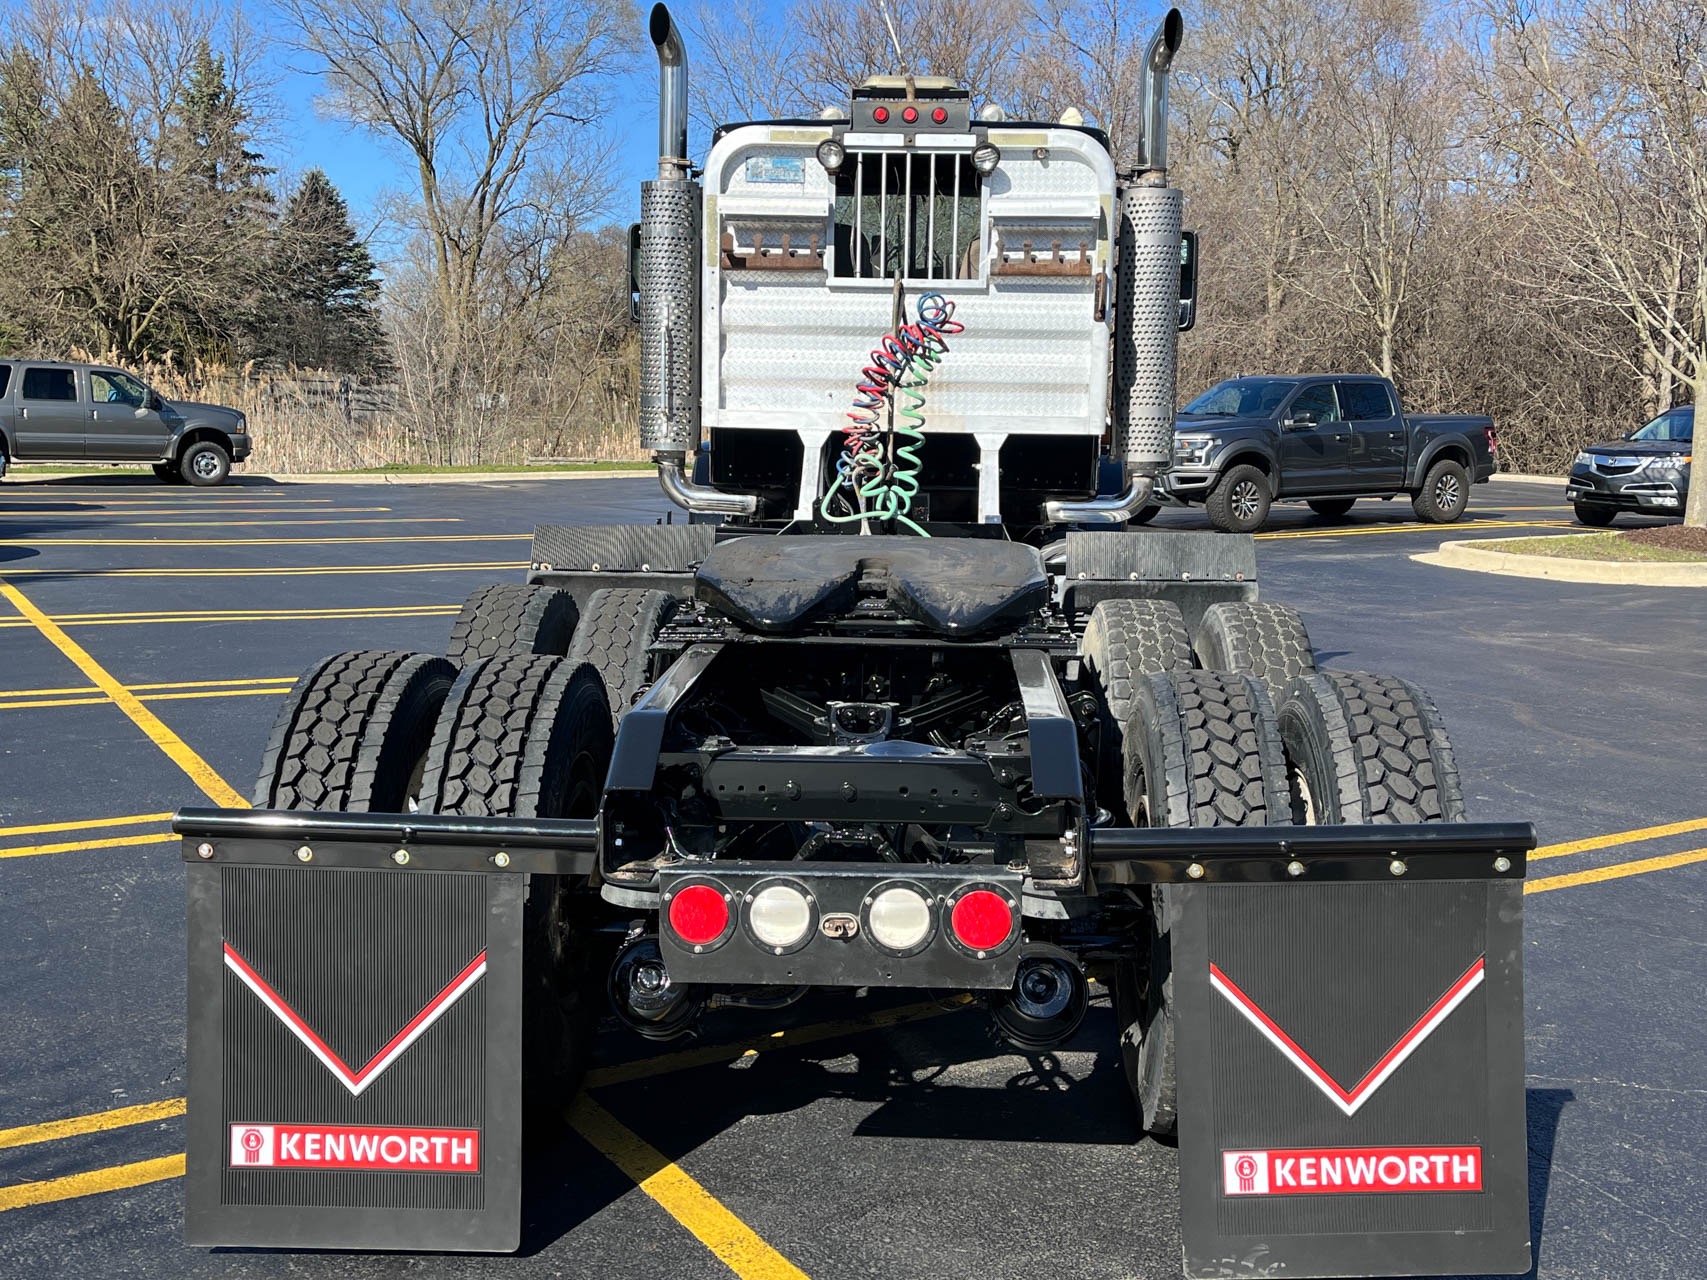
(1124, 641)
(1205, 751)
(353, 733)
(1267, 641)
(1240, 502)
(1364, 748)
(1444, 494)
(1595, 517)
(512, 617)
(205, 464)
(168, 473)
(528, 736)
(1331, 507)
(615, 632)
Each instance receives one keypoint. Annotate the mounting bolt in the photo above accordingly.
(401, 857)
(849, 792)
(501, 859)
(204, 851)
(305, 854)
(1294, 868)
(1195, 871)
(1502, 864)
(1397, 866)
(1004, 810)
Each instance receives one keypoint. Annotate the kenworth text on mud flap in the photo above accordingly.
(904, 705)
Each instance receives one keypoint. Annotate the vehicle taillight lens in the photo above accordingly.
(910, 115)
(899, 919)
(1493, 441)
(699, 914)
(779, 915)
(880, 114)
(940, 116)
(982, 920)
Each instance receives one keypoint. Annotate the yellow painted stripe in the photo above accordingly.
(53, 702)
(242, 616)
(365, 611)
(274, 524)
(118, 1118)
(122, 516)
(78, 846)
(177, 750)
(1620, 837)
(85, 824)
(711, 1054)
(137, 688)
(1415, 528)
(736, 1245)
(117, 1178)
(330, 570)
(1617, 871)
(262, 542)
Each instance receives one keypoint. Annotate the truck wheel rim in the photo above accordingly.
(1446, 492)
(205, 464)
(1245, 500)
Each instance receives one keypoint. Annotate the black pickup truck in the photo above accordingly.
(1327, 439)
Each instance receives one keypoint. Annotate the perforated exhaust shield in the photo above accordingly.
(669, 315)
(1146, 327)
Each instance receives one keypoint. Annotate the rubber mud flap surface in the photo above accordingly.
(354, 1058)
(1351, 1079)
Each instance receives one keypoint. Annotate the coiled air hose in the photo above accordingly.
(877, 478)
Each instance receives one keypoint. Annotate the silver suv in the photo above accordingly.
(53, 411)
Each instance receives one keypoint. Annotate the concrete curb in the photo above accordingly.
(1519, 477)
(1486, 557)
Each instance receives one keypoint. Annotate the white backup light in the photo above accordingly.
(900, 919)
(779, 915)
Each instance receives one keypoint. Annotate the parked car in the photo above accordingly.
(1646, 471)
(1326, 439)
(54, 411)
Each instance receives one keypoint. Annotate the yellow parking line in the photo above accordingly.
(736, 1245)
(1621, 837)
(273, 524)
(1414, 528)
(118, 1118)
(79, 846)
(125, 514)
(176, 749)
(1617, 871)
(116, 1178)
(136, 688)
(261, 542)
(239, 615)
(329, 570)
(84, 824)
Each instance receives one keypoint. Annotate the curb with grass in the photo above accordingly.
(1490, 556)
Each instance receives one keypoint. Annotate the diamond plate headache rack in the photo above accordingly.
(422, 841)
(1278, 855)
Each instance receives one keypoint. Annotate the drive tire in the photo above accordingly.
(528, 736)
(1268, 641)
(615, 633)
(353, 732)
(1333, 508)
(1367, 749)
(168, 473)
(1205, 751)
(204, 464)
(1124, 641)
(1239, 503)
(1595, 517)
(512, 617)
(1444, 495)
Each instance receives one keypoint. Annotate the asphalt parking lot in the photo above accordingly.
(147, 632)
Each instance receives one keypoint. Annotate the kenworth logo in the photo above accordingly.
(349, 1146)
(1350, 1170)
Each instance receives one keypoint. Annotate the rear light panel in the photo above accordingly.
(699, 914)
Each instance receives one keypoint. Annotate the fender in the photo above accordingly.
(1433, 450)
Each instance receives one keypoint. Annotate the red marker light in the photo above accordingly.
(940, 116)
(880, 114)
(910, 115)
(699, 915)
(982, 920)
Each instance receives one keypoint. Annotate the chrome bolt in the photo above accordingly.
(204, 851)
(1294, 868)
(304, 854)
(401, 857)
(1502, 864)
(1397, 866)
(1195, 871)
(501, 859)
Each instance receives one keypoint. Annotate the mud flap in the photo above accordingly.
(354, 1045)
(1350, 1058)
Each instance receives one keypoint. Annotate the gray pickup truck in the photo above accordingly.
(1326, 439)
(53, 411)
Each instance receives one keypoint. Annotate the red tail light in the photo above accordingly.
(940, 116)
(699, 915)
(910, 115)
(982, 920)
(1493, 441)
(880, 114)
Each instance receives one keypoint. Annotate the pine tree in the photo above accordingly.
(325, 291)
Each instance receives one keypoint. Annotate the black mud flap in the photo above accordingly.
(354, 1029)
(1350, 1058)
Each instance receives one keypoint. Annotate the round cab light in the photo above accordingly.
(910, 115)
(699, 915)
(880, 114)
(985, 157)
(779, 915)
(939, 116)
(899, 919)
(982, 920)
(831, 155)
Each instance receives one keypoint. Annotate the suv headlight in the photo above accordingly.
(1584, 460)
(1193, 451)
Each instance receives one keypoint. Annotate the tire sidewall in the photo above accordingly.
(187, 464)
(1221, 509)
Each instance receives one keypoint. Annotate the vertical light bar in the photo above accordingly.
(954, 216)
(859, 210)
(931, 184)
(883, 213)
(907, 214)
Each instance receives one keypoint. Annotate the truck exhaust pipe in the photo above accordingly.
(672, 94)
(1158, 58)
